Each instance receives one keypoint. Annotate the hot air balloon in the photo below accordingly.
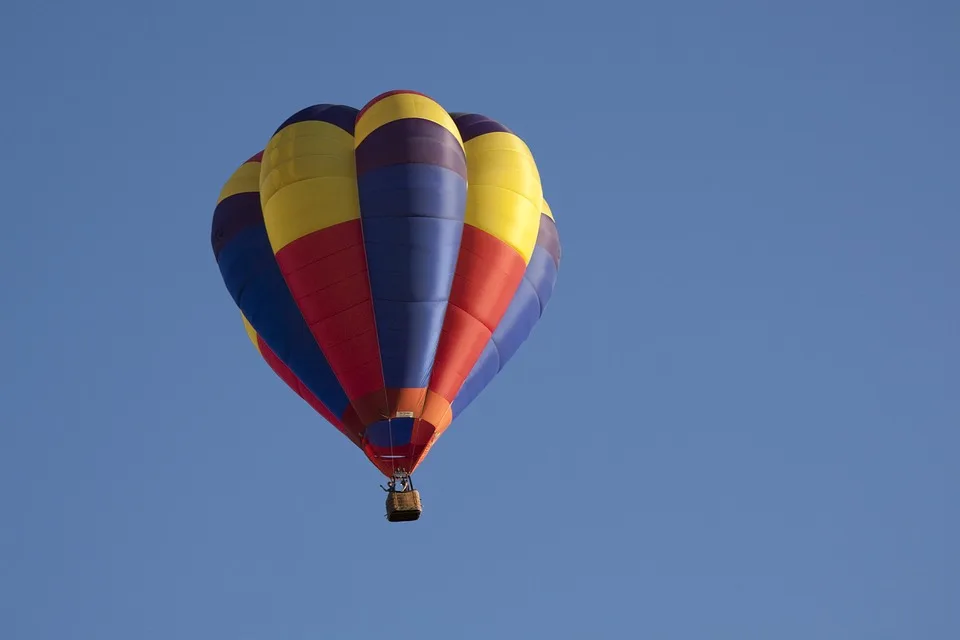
(387, 263)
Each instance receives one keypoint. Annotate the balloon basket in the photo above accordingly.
(403, 506)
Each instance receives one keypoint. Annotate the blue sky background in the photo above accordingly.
(738, 418)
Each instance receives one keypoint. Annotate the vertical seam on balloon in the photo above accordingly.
(446, 309)
(373, 311)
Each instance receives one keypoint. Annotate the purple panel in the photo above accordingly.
(411, 140)
(336, 114)
(548, 238)
(234, 214)
(472, 125)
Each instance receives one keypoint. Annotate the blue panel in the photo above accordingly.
(522, 315)
(412, 216)
(408, 334)
(387, 433)
(542, 273)
(486, 367)
(411, 258)
(412, 190)
(253, 279)
(518, 322)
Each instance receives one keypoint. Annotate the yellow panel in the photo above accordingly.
(504, 195)
(545, 209)
(246, 179)
(251, 332)
(308, 181)
(403, 105)
(285, 155)
(307, 206)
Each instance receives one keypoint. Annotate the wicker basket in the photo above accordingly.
(403, 506)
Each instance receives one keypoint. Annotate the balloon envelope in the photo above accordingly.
(388, 262)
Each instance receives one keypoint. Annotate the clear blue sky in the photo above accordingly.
(738, 418)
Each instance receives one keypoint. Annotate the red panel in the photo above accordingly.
(461, 343)
(327, 275)
(345, 271)
(488, 274)
(320, 244)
